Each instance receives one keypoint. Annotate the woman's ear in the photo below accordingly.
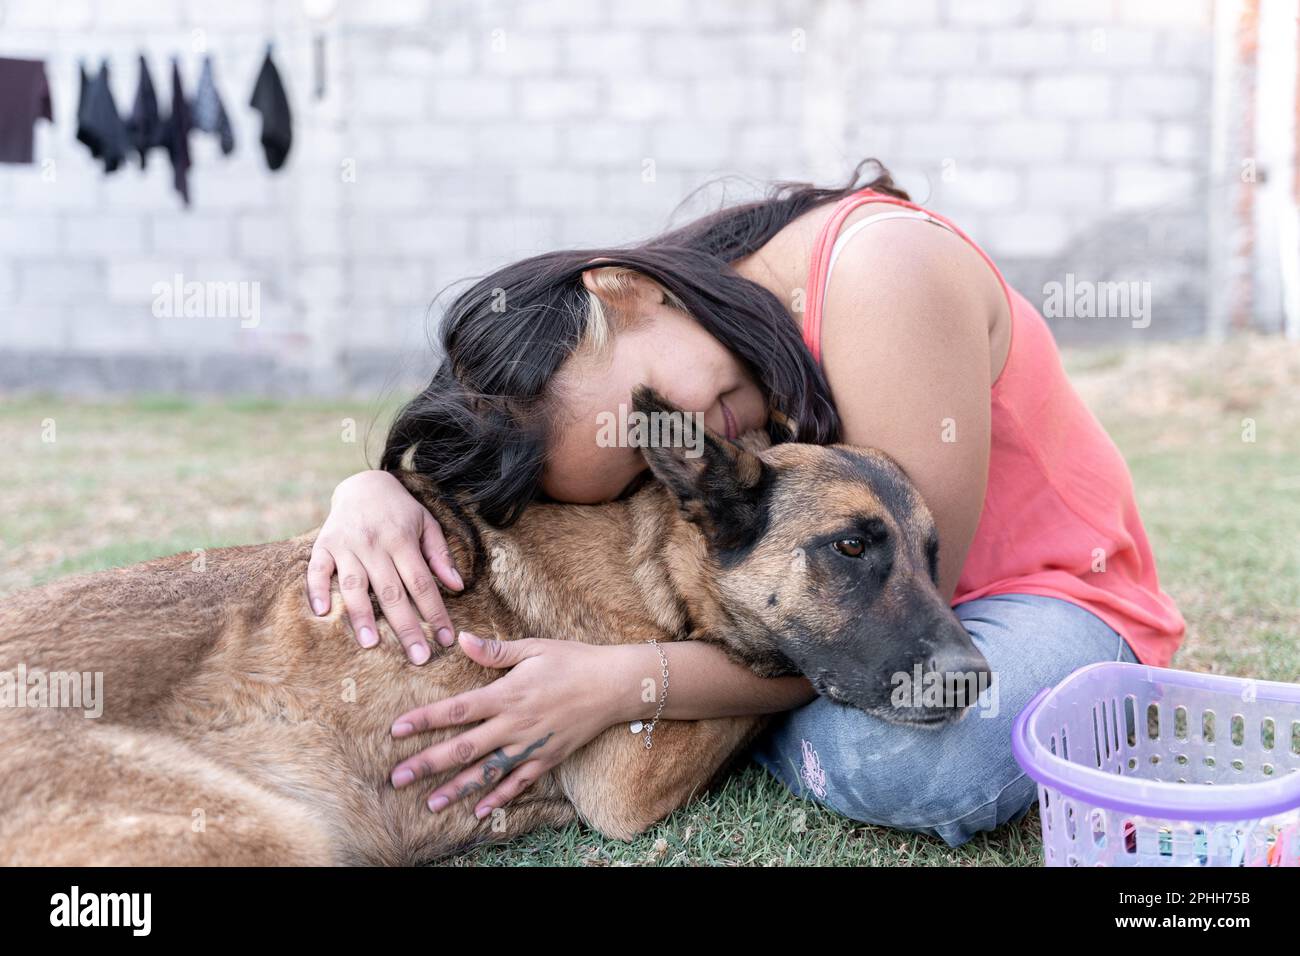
(619, 285)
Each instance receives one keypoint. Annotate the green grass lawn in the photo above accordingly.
(129, 480)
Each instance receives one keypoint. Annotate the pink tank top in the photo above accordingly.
(1060, 517)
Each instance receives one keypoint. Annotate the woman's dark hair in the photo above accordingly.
(480, 427)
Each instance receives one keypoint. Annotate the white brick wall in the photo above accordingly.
(474, 132)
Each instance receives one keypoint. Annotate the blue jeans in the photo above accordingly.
(960, 779)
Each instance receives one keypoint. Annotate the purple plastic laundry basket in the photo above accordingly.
(1148, 766)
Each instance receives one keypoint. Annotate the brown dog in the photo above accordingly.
(238, 728)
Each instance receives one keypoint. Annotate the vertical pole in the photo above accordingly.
(1233, 168)
(1275, 235)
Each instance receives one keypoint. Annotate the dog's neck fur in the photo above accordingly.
(666, 558)
(669, 556)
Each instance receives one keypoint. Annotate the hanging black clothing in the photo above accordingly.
(24, 98)
(270, 100)
(83, 114)
(209, 112)
(177, 137)
(145, 127)
(100, 126)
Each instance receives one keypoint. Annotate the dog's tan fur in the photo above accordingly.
(239, 728)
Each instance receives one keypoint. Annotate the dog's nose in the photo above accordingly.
(965, 670)
(957, 660)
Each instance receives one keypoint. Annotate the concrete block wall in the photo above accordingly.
(1064, 135)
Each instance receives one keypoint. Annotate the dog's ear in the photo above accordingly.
(718, 485)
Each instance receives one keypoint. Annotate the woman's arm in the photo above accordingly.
(910, 312)
(558, 696)
(703, 682)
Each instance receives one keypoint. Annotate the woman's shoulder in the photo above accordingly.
(931, 261)
(902, 267)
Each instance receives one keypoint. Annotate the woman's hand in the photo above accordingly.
(377, 536)
(558, 696)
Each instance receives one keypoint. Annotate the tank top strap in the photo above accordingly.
(847, 235)
(826, 250)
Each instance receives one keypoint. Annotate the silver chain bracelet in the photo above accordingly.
(638, 726)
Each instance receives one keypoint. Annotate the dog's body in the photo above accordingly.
(238, 728)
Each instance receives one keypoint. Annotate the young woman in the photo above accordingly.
(863, 319)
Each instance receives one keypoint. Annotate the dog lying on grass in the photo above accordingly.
(238, 728)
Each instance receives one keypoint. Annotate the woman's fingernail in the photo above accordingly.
(402, 777)
(319, 606)
(456, 580)
(445, 637)
(474, 638)
(419, 653)
(402, 729)
(482, 811)
(437, 803)
(368, 637)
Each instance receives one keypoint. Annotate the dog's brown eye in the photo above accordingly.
(851, 547)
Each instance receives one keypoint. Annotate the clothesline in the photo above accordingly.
(112, 138)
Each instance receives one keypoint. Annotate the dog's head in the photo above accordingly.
(822, 561)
